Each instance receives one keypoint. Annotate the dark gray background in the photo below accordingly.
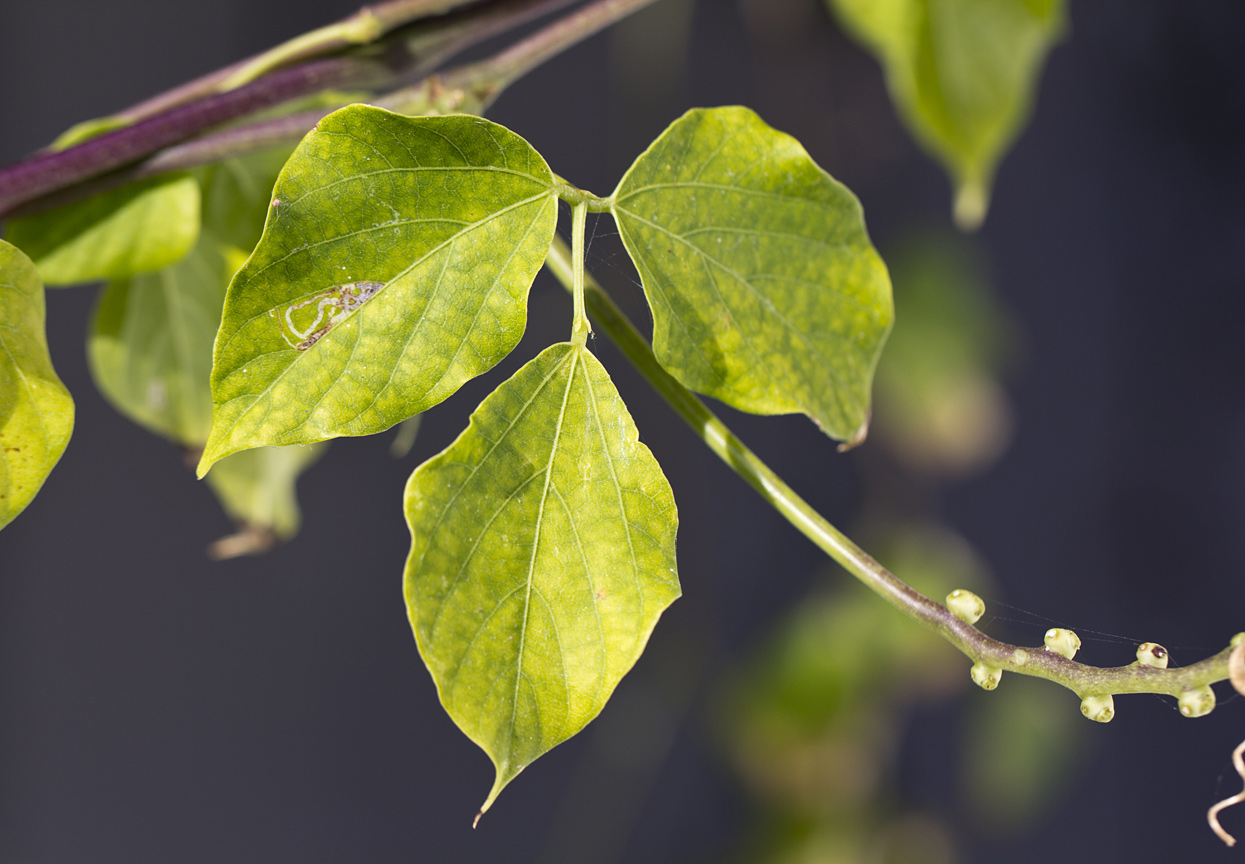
(156, 707)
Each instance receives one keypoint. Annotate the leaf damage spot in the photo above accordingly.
(307, 321)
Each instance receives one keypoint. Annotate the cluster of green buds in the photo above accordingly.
(969, 608)
(1099, 707)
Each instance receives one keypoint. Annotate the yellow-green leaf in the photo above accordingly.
(542, 555)
(962, 74)
(394, 266)
(257, 487)
(36, 411)
(765, 290)
(113, 235)
(150, 352)
(150, 347)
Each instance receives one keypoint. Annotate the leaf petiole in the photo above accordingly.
(580, 327)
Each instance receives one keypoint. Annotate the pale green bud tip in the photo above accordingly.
(971, 202)
(985, 676)
(1237, 640)
(1063, 642)
(1100, 709)
(966, 605)
(1152, 654)
(1197, 702)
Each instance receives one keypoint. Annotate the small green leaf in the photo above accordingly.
(394, 266)
(113, 235)
(765, 290)
(36, 411)
(542, 555)
(962, 74)
(256, 487)
(150, 347)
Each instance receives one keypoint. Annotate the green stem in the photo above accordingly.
(1080, 678)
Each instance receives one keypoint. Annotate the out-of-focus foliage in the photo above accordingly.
(940, 406)
(116, 234)
(818, 717)
(1018, 748)
(963, 76)
(150, 351)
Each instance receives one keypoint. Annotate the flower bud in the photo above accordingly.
(1197, 702)
(966, 605)
(1152, 654)
(1100, 709)
(1063, 642)
(986, 676)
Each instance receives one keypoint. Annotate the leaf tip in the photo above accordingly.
(498, 785)
(206, 461)
(972, 200)
(858, 437)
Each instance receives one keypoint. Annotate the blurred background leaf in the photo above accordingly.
(963, 75)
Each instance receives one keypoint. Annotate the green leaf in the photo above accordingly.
(150, 347)
(394, 266)
(36, 411)
(962, 74)
(542, 555)
(150, 351)
(113, 235)
(236, 193)
(256, 488)
(765, 290)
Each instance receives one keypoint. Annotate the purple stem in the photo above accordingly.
(48, 171)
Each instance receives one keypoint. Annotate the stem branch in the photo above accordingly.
(161, 126)
(1038, 662)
